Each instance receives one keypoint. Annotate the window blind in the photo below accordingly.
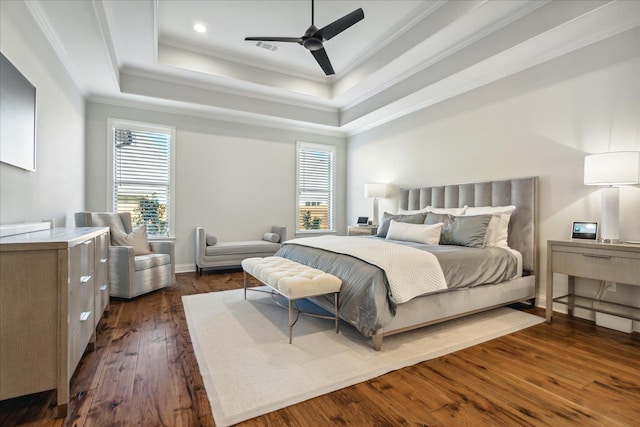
(315, 187)
(142, 178)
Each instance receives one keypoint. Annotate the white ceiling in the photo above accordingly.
(404, 55)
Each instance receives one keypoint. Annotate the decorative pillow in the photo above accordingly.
(271, 237)
(445, 219)
(412, 212)
(211, 240)
(498, 230)
(137, 239)
(434, 218)
(429, 234)
(387, 217)
(466, 231)
(450, 211)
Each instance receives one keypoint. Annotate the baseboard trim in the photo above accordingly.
(185, 268)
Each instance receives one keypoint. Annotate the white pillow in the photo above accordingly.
(412, 212)
(428, 234)
(449, 211)
(271, 237)
(498, 229)
(137, 239)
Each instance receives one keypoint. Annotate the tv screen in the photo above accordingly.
(17, 117)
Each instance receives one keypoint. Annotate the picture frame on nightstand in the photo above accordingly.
(586, 230)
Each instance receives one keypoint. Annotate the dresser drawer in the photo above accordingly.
(75, 265)
(101, 300)
(81, 301)
(78, 341)
(601, 264)
(102, 247)
(87, 257)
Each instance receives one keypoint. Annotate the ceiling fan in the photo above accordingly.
(314, 37)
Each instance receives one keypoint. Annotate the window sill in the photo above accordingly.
(161, 238)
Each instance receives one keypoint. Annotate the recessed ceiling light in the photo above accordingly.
(200, 28)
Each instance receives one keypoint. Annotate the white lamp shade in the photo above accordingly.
(377, 191)
(617, 168)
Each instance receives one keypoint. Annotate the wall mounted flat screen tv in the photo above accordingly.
(17, 117)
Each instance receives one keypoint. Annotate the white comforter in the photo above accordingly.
(410, 272)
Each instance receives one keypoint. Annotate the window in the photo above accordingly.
(142, 174)
(315, 186)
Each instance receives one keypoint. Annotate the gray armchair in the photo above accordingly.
(129, 275)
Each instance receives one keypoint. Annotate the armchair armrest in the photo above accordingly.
(166, 247)
(162, 247)
(121, 265)
(281, 231)
(200, 245)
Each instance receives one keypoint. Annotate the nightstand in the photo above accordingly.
(611, 262)
(363, 230)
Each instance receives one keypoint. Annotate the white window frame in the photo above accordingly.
(300, 145)
(113, 123)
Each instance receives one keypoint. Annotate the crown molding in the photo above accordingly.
(241, 89)
(596, 25)
(213, 113)
(40, 16)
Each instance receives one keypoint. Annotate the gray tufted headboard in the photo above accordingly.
(521, 192)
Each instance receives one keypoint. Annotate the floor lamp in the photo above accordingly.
(611, 170)
(375, 192)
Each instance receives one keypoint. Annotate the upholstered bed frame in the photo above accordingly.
(523, 237)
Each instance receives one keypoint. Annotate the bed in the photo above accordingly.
(369, 297)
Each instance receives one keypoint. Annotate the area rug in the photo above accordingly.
(249, 368)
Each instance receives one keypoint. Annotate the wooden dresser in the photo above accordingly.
(53, 291)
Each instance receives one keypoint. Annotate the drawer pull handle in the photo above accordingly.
(103, 287)
(88, 242)
(596, 256)
(103, 260)
(84, 316)
(85, 279)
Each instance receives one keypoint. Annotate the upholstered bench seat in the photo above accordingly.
(231, 254)
(293, 281)
(246, 247)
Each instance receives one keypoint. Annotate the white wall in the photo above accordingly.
(56, 188)
(236, 180)
(540, 122)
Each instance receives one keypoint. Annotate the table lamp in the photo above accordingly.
(375, 192)
(611, 170)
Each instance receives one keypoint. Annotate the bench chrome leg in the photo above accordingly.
(245, 284)
(290, 321)
(335, 300)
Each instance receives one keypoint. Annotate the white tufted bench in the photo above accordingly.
(293, 281)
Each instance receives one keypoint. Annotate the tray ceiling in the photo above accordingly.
(404, 55)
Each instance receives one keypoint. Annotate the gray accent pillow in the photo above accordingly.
(271, 237)
(387, 217)
(211, 240)
(445, 219)
(465, 231)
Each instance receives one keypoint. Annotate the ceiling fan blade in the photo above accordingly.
(323, 60)
(336, 27)
(276, 39)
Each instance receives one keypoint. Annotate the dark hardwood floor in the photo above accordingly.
(144, 373)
